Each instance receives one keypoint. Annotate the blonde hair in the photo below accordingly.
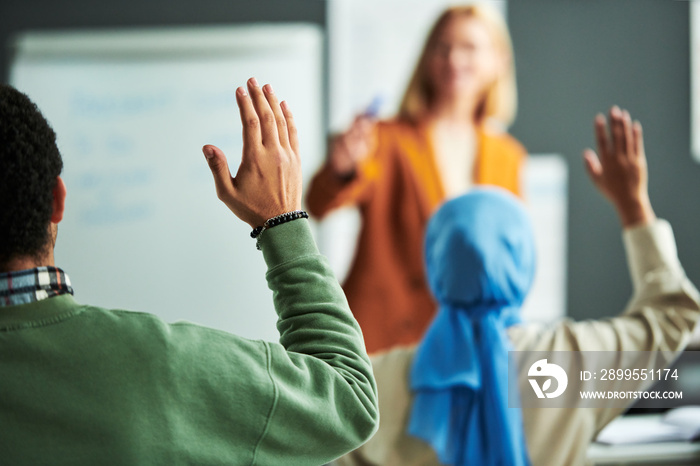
(499, 101)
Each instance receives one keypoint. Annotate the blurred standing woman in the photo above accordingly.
(448, 136)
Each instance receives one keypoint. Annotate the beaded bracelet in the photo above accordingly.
(273, 222)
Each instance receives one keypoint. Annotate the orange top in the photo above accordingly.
(397, 188)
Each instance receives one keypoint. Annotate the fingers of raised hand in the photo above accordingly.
(249, 117)
(638, 138)
(280, 120)
(627, 136)
(291, 128)
(268, 123)
(623, 141)
(618, 131)
(629, 139)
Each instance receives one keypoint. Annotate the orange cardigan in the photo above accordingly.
(397, 188)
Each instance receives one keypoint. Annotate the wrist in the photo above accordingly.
(636, 213)
(275, 221)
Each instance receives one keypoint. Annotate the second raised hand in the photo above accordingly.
(268, 180)
(619, 170)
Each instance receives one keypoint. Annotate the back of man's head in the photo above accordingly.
(29, 166)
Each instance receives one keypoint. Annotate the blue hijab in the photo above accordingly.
(480, 262)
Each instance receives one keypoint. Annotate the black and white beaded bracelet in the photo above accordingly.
(274, 221)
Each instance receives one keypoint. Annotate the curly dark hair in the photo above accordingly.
(29, 166)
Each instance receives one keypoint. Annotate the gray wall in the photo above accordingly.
(20, 15)
(577, 58)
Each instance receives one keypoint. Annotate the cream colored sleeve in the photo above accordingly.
(661, 315)
(659, 318)
(665, 306)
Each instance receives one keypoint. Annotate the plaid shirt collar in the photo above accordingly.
(28, 286)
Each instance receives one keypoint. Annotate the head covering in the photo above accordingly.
(480, 262)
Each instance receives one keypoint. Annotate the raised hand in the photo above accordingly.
(268, 180)
(619, 170)
(351, 147)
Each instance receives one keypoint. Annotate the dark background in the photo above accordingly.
(577, 58)
(574, 58)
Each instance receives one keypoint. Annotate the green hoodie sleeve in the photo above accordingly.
(303, 401)
(325, 398)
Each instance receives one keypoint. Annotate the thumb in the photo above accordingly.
(219, 169)
(593, 166)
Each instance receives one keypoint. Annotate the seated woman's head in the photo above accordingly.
(480, 250)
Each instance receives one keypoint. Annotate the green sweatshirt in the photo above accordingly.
(82, 385)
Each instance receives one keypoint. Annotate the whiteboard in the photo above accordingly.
(545, 182)
(143, 229)
(695, 80)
